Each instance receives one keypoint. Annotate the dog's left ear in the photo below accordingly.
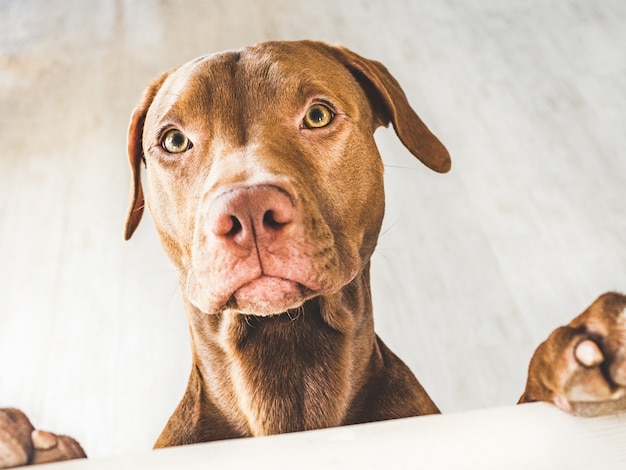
(390, 104)
(135, 155)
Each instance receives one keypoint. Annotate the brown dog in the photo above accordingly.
(581, 367)
(266, 188)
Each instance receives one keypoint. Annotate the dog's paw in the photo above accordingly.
(49, 447)
(581, 367)
(16, 446)
(21, 444)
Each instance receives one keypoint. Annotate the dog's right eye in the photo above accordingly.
(174, 141)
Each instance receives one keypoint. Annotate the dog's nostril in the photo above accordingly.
(235, 227)
(269, 220)
(272, 220)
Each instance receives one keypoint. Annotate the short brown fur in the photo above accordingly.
(319, 364)
(271, 225)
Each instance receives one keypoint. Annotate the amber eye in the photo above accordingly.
(174, 141)
(318, 115)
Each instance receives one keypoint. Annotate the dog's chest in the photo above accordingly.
(283, 372)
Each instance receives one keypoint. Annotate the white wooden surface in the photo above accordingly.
(535, 436)
(473, 269)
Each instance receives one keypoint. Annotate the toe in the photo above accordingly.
(588, 353)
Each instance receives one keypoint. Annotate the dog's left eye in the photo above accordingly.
(317, 116)
(174, 141)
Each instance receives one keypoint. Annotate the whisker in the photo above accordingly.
(398, 167)
(393, 224)
(295, 313)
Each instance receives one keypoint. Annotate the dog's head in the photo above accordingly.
(263, 177)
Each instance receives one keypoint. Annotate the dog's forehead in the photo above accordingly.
(290, 60)
(270, 71)
(275, 62)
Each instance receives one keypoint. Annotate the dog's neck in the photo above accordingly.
(289, 372)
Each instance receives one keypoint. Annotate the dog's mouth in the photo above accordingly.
(268, 295)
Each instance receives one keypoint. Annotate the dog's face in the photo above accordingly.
(263, 177)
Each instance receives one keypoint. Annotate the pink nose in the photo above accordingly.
(251, 213)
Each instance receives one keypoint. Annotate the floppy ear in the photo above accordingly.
(135, 155)
(390, 104)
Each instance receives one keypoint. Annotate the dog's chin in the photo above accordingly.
(268, 295)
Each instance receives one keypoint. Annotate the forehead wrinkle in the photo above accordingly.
(195, 92)
(294, 82)
(174, 102)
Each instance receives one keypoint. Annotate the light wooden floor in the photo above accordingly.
(473, 269)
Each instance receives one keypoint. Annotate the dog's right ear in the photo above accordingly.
(135, 155)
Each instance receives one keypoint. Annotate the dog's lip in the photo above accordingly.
(268, 295)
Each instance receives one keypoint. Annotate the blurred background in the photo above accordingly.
(473, 268)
